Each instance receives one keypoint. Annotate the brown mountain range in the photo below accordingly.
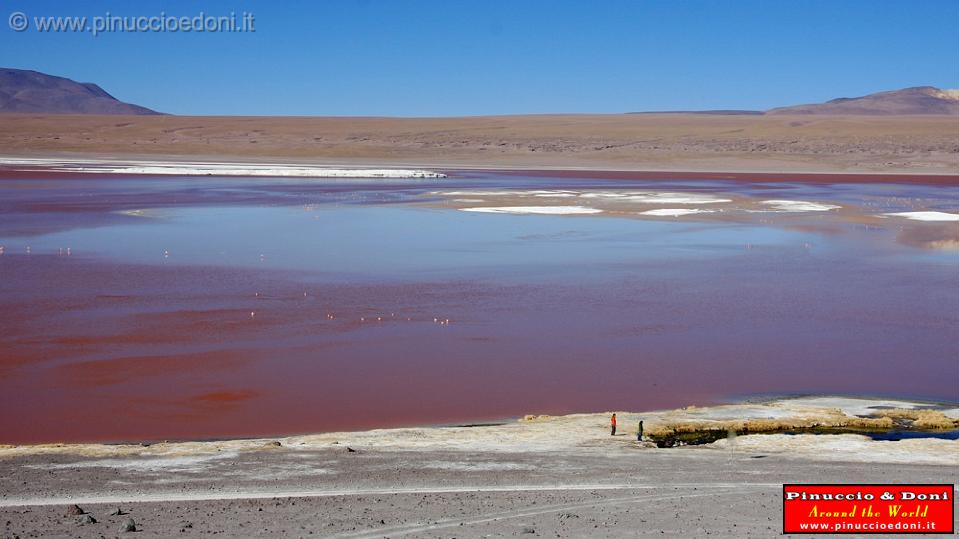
(28, 91)
(916, 100)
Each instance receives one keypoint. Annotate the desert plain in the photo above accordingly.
(904, 145)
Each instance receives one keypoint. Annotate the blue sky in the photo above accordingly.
(459, 57)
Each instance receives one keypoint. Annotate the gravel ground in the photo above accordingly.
(620, 491)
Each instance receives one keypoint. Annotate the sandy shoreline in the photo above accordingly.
(764, 420)
(541, 476)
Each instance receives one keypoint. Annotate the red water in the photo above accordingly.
(96, 349)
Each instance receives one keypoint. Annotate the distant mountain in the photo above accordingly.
(31, 91)
(917, 100)
(718, 112)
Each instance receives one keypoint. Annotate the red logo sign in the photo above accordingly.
(891, 509)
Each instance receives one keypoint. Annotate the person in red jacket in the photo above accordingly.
(612, 425)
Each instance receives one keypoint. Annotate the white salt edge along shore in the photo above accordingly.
(573, 434)
(674, 212)
(799, 205)
(611, 202)
(652, 197)
(925, 215)
(537, 210)
(183, 168)
(645, 197)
